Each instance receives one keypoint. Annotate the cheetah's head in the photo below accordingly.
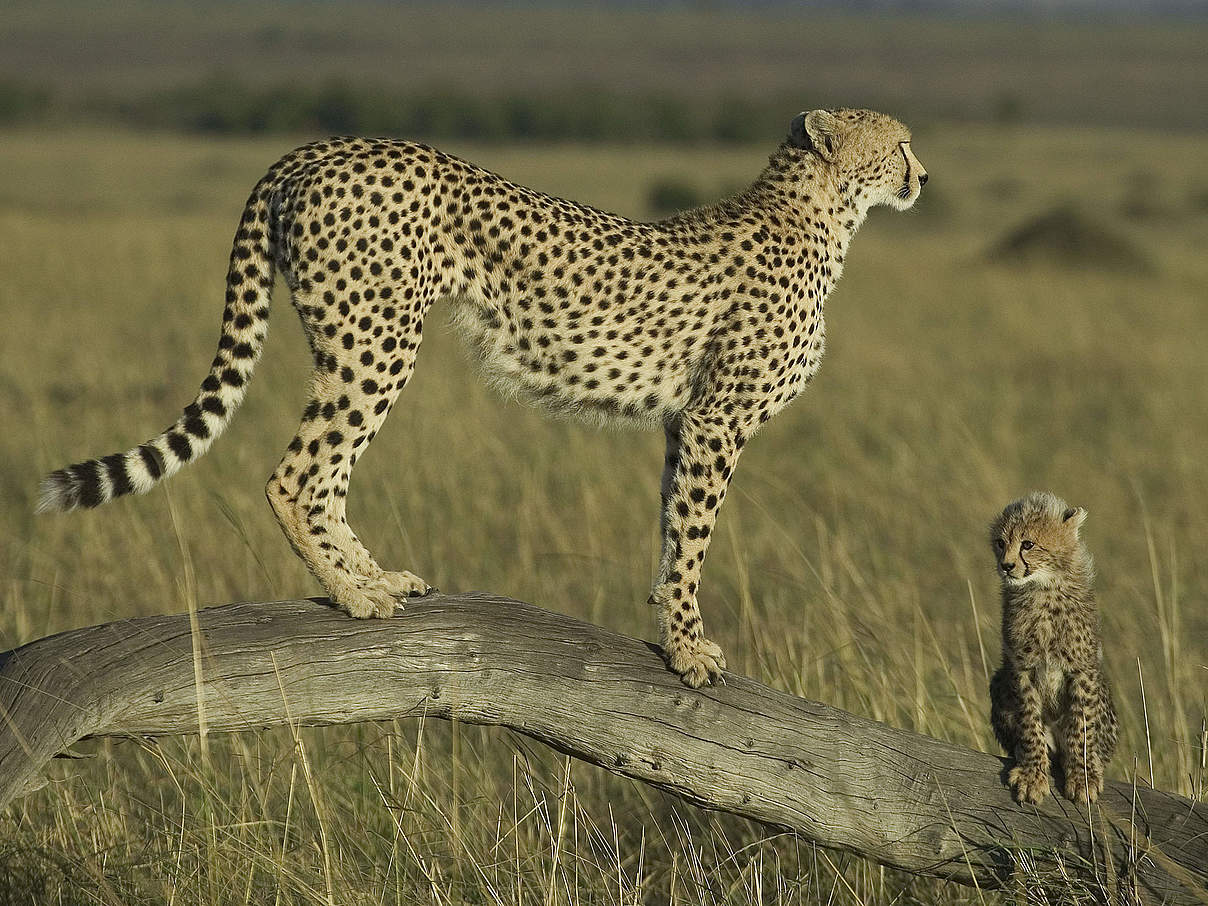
(1036, 538)
(869, 152)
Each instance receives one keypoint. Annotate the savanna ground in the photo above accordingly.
(850, 565)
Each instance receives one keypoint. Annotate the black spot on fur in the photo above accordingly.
(213, 405)
(197, 426)
(87, 480)
(179, 444)
(119, 478)
(152, 459)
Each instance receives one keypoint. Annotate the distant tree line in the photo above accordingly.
(221, 105)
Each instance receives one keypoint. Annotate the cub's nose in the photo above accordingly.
(1007, 567)
(922, 179)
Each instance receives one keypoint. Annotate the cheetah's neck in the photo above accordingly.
(1063, 596)
(811, 196)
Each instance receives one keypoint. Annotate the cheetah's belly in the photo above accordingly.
(610, 373)
(1049, 678)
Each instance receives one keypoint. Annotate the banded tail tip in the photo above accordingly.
(85, 484)
(89, 484)
(59, 492)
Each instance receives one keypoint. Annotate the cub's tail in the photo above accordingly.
(244, 324)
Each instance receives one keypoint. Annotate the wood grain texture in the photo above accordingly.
(839, 780)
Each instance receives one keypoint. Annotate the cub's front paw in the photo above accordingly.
(697, 661)
(1083, 787)
(1030, 784)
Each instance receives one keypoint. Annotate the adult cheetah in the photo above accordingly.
(706, 324)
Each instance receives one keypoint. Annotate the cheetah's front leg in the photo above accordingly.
(1029, 779)
(700, 459)
(1079, 740)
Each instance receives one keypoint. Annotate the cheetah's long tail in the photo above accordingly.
(244, 324)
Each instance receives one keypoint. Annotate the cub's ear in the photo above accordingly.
(817, 130)
(1074, 517)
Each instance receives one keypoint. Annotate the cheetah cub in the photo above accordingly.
(1050, 693)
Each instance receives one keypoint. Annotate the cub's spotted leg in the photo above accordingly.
(701, 455)
(1079, 740)
(351, 394)
(1029, 779)
(1107, 724)
(1004, 708)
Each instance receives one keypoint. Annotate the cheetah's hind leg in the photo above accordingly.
(350, 398)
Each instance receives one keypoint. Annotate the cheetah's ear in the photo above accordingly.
(797, 136)
(1074, 517)
(817, 130)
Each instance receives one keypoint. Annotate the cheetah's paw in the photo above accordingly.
(697, 661)
(1030, 785)
(403, 585)
(1081, 788)
(364, 601)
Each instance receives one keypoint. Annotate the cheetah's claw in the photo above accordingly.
(402, 585)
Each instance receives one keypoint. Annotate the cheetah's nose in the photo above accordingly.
(1007, 567)
(922, 179)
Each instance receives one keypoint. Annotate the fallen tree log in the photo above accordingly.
(839, 780)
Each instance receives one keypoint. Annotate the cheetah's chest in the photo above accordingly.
(1036, 638)
(803, 355)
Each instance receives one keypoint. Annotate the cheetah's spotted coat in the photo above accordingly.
(706, 324)
(1051, 692)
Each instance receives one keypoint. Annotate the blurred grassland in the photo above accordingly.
(590, 70)
(850, 564)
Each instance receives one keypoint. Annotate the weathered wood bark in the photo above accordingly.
(843, 781)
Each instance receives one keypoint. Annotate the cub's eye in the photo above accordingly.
(1000, 544)
(1026, 545)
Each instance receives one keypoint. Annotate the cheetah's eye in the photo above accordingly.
(1000, 544)
(1026, 545)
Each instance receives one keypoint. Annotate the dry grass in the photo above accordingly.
(850, 563)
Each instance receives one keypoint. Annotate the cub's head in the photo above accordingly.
(1036, 538)
(870, 153)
